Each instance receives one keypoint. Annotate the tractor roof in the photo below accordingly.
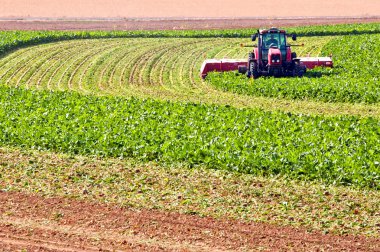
(271, 30)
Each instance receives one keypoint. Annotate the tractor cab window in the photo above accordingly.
(274, 39)
(282, 41)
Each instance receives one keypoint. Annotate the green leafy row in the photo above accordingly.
(13, 39)
(355, 77)
(335, 150)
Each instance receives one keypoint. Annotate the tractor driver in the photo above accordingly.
(272, 41)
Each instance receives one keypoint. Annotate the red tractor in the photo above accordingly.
(272, 56)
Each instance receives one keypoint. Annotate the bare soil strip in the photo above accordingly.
(59, 224)
(178, 24)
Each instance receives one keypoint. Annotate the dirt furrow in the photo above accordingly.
(53, 223)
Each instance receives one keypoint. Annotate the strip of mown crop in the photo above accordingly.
(335, 150)
(355, 77)
(200, 191)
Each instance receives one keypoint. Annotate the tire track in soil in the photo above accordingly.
(61, 224)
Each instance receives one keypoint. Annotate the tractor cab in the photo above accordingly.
(272, 42)
(272, 55)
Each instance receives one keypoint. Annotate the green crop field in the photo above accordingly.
(138, 96)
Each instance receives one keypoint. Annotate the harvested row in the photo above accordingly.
(131, 65)
(81, 65)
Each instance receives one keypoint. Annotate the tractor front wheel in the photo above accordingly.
(298, 71)
(253, 70)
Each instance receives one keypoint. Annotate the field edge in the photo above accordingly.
(199, 191)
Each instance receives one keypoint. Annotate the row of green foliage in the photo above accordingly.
(339, 150)
(13, 39)
(355, 77)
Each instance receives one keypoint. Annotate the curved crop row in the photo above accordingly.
(130, 64)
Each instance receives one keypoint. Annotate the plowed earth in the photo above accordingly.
(35, 223)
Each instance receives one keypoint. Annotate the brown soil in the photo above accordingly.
(35, 223)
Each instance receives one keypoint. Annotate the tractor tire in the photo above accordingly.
(253, 70)
(251, 56)
(242, 69)
(249, 74)
(298, 71)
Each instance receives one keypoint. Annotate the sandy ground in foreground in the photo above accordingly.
(58, 224)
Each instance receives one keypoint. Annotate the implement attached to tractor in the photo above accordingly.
(272, 56)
